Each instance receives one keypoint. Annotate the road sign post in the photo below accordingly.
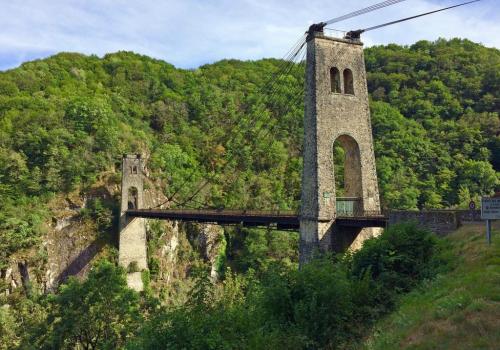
(488, 231)
(490, 210)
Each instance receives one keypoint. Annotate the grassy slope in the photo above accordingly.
(458, 310)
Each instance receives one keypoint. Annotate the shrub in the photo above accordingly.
(98, 313)
(327, 304)
(132, 267)
(323, 304)
(396, 261)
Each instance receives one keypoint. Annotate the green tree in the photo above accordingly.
(98, 313)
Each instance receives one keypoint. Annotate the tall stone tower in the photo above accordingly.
(132, 255)
(336, 109)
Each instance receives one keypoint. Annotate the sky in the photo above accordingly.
(190, 33)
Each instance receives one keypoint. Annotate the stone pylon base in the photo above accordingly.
(134, 281)
(364, 234)
(133, 252)
(323, 236)
(315, 237)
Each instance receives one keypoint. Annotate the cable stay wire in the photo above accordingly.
(257, 136)
(272, 86)
(235, 130)
(299, 96)
(336, 30)
(285, 61)
(206, 182)
(289, 68)
(282, 70)
(363, 11)
(355, 34)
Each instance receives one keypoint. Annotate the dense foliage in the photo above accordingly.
(67, 119)
(328, 304)
(435, 120)
(98, 313)
(216, 137)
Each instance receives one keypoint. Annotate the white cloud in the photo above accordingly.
(188, 33)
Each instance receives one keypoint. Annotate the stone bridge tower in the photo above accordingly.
(132, 247)
(336, 109)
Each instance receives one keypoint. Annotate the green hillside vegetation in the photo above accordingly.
(67, 119)
(330, 303)
(216, 137)
(458, 310)
(431, 293)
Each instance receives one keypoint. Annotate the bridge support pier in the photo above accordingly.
(318, 237)
(336, 112)
(315, 237)
(132, 240)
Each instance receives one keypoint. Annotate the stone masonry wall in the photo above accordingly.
(440, 222)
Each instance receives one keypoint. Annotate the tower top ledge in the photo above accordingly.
(132, 156)
(322, 35)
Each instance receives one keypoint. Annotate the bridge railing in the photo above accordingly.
(353, 207)
(221, 212)
(349, 206)
(346, 207)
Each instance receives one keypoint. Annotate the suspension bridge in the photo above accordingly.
(336, 109)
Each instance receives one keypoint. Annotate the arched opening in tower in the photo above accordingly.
(347, 174)
(335, 80)
(348, 82)
(133, 199)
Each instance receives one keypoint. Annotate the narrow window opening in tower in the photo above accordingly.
(134, 170)
(335, 80)
(132, 201)
(347, 174)
(348, 82)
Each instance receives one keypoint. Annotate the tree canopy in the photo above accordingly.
(216, 133)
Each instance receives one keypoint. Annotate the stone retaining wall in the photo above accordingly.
(440, 222)
(468, 215)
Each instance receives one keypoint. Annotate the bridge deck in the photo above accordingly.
(284, 220)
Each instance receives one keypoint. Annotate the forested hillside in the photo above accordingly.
(67, 119)
(220, 136)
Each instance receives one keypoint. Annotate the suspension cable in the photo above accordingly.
(257, 134)
(282, 70)
(272, 88)
(363, 11)
(355, 34)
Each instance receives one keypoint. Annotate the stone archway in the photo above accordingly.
(351, 165)
(132, 198)
(348, 177)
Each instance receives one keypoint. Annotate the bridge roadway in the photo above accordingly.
(284, 220)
